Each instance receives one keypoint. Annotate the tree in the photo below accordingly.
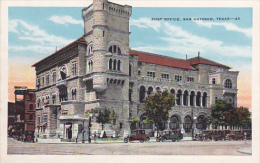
(103, 117)
(133, 122)
(244, 117)
(220, 113)
(158, 106)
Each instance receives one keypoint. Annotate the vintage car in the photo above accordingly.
(137, 135)
(218, 135)
(169, 135)
(236, 136)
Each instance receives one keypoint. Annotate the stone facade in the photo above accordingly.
(100, 71)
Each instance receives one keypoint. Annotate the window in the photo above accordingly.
(190, 79)
(54, 77)
(114, 66)
(38, 103)
(45, 118)
(65, 112)
(30, 116)
(38, 120)
(142, 94)
(110, 64)
(178, 78)
(90, 49)
(74, 68)
(53, 99)
(151, 74)
(228, 83)
(63, 94)
(90, 66)
(130, 70)
(118, 65)
(139, 72)
(216, 99)
(164, 76)
(213, 80)
(31, 107)
(31, 96)
(38, 82)
(74, 92)
(63, 73)
(43, 81)
(47, 80)
(103, 33)
(114, 49)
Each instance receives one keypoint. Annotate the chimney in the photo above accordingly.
(186, 56)
(56, 48)
(198, 54)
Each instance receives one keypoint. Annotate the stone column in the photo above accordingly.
(168, 124)
(181, 100)
(188, 99)
(201, 98)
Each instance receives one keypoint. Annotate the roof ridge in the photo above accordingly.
(158, 55)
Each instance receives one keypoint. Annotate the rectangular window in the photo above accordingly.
(54, 77)
(38, 121)
(30, 116)
(47, 80)
(139, 72)
(178, 78)
(74, 69)
(38, 82)
(64, 113)
(190, 79)
(45, 118)
(43, 81)
(164, 76)
(31, 107)
(213, 80)
(151, 74)
(53, 99)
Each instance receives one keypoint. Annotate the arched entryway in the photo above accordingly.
(201, 122)
(175, 122)
(187, 125)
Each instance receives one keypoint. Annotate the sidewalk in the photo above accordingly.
(247, 150)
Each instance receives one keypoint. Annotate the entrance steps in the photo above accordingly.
(187, 139)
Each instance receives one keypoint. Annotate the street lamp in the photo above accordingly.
(192, 121)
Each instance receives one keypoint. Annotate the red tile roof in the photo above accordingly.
(80, 40)
(172, 62)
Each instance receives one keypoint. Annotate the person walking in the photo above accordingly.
(95, 137)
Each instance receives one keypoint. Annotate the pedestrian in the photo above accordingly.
(245, 134)
(95, 137)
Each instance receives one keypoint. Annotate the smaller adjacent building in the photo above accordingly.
(21, 113)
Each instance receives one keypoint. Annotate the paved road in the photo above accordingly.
(136, 148)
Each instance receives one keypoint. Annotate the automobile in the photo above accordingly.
(169, 135)
(137, 135)
(236, 136)
(218, 135)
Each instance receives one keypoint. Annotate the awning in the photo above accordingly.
(43, 124)
(67, 126)
(46, 101)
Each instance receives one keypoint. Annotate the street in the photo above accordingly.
(135, 148)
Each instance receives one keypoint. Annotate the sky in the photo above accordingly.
(35, 32)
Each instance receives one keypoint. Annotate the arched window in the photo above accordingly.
(90, 66)
(198, 99)
(158, 89)
(47, 79)
(110, 64)
(38, 103)
(228, 83)
(114, 49)
(130, 95)
(63, 94)
(114, 66)
(150, 91)
(179, 94)
(192, 95)
(118, 65)
(142, 94)
(185, 98)
(63, 73)
(204, 99)
(90, 49)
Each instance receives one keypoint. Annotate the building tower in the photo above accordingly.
(106, 31)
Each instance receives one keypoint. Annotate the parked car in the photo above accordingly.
(137, 135)
(169, 135)
(236, 136)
